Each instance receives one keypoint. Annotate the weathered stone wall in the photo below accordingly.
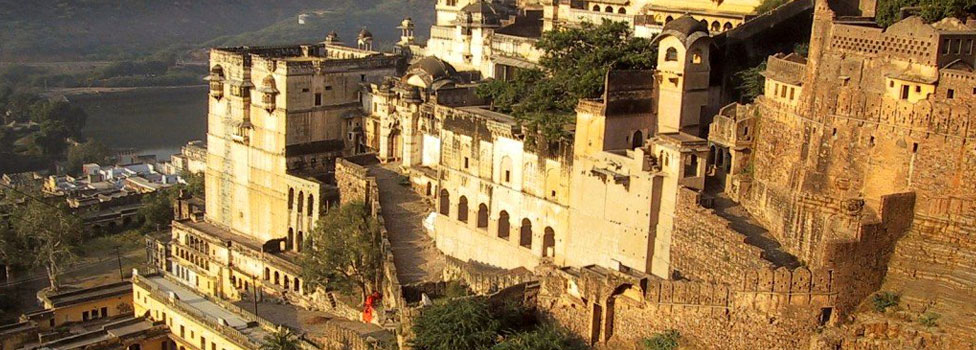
(704, 247)
(768, 309)
(483, 279)
(824, 171)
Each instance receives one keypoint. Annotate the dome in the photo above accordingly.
(686, 29)
(332, 36)
(364, 34)
(430, 69)
(686, 25)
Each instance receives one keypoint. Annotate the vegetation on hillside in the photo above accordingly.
(889, 11)
(42, 129)
(667, 340)
(65, 30)
(574, 65)
(474, 323)
(343, 251)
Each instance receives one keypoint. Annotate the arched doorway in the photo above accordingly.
(549, 243)
(503, 226)
(445, 203)
(525, 234)
(637, 141)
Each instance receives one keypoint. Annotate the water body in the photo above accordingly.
(152, 120)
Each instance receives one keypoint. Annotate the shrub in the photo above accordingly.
(929, 319)
(884, 300)
(668, 340)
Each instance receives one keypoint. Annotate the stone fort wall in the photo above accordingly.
(766, 309)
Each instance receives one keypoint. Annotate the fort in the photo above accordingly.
(669, 205)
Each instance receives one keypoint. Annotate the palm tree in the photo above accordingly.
(282, 339)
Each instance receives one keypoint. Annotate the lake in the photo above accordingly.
(152, 120)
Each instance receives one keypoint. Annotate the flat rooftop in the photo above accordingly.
(89, 294)
(196, 302)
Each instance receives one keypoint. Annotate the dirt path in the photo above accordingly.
(417, 258)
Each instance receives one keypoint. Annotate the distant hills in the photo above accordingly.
(66, 30)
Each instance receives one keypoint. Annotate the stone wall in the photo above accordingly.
(704, 246)
(483, 279)
(767, 309)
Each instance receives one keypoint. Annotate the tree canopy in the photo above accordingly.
(475, 323)
(343, 251)
(281, 339)
(47, 236)
(574, 65)
(889, 11)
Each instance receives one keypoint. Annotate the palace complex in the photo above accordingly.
(670, 205)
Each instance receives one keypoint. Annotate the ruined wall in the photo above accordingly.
(483, 279)
(704, 247)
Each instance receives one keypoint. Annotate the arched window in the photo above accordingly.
(596, 8)
(525, 236)
(462, 214)
(504, 227)
(704, 22)
(445, 202)
(297, 284)
(301, 201)
(311, 204)
(727, 26)
(277, 278)
(267, 274)
(135, 347)
(716, 26)
(301, 241)
(637, 141)
(430, 188)
(291, 197)
(622, 11)
(287, 282)
(482, 215)
(609, 9)
(669, 19)
(671, 55)
(549, 243)
(696, 57)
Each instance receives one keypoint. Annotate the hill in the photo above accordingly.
(66, 30)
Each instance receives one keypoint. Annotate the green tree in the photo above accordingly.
(546, 337)
(457, 324)
(574, 65)
(194, 183)
(343, 251)
(89, 152)
(281, 339)
(667, 340)
(889, 11)
(750, 82)
(49, 235)
(11, 250)
(72, 117)
(157, 209)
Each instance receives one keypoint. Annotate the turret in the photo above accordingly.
(365, 40)
(684, 69)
